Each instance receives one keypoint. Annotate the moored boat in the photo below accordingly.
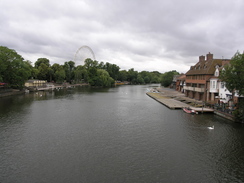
(189, 110)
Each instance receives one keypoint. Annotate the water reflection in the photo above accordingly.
(114, 135)
(14, 104)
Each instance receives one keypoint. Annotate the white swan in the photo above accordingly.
(211, 127)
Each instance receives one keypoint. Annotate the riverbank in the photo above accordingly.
(48, 87)
(53, 86)
(11, 93)
(176, 100)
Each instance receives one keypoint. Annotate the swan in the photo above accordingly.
(211, 127)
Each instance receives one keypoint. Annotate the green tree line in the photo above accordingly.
(14, 70)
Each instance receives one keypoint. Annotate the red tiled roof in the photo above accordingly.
(181, 77)
(204, 67)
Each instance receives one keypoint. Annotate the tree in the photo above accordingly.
(13, 69)
(147, 79)
(132, 76)
(101, 65)
(55, 67)
(103, 79)
(43, 67)
(80, 74)
(50, 74)
(123, 75)
(112, 69)
(146, 76)
(89, 63)
(42, 72)
(42, 60)
(34, 71)
(69, 68)
(140, 80)
(91, 66)
(167, 78)
(59, 73)
(155, 77)
(233, 76)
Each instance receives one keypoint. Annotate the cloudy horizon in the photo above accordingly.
(144, 35)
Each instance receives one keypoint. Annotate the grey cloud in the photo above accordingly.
(160, 35)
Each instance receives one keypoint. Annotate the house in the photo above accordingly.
(224, 94)
(180, 83)
(201, 81)
(221, 93)
(173, 84)
(217, 89)
(35, 83)
(214, 86)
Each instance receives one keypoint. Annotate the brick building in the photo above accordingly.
(197, 82)
(180, 83)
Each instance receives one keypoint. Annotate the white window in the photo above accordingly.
(213, 83)
(216, 72)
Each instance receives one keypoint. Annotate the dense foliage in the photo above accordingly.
(135, 77)
(167, 78)
(233, 76)
(15, 71)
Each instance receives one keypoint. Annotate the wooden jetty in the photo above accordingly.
(172, 103)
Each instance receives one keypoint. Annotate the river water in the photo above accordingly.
(114, 135)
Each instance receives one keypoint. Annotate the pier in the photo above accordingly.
(52, 86)
(168, 102)
(175, 100)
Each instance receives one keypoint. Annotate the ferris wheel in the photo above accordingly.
(82, 54)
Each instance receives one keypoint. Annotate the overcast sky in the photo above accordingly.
(149, 35)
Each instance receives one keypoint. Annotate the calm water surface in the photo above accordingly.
(113, 135)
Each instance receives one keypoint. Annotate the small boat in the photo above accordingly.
(189, 110)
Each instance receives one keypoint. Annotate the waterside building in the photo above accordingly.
(202, 76)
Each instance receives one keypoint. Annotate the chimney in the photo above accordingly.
(201, 58)
(209, 56)
(224, 62)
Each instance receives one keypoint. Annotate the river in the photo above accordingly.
(114, 135)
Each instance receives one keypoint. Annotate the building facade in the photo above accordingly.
(201, 80)
(35, 83)
(180, 83)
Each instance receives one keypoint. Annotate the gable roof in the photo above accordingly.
(204, 67)
(181, 77)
